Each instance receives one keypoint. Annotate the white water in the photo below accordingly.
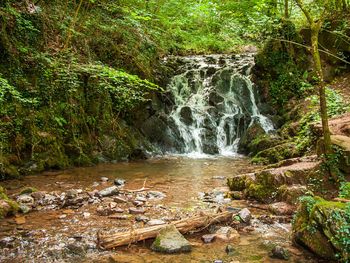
(214, 104)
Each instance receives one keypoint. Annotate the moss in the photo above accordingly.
(278, 153)
(7, 206)
(260, 192)
(28, 190)
(324, 227)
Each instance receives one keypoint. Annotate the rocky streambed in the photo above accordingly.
(67, 210)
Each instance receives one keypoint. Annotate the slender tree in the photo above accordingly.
(315, 24)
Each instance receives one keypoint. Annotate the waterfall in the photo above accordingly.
(214, 104)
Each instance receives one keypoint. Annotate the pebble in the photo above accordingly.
(138, 203)
(219, 177)
(280, 253)
(119, 199)
(208, 238)
(119, 217)
(113, 190)
(119, 182)
(135, 211)
(86, 214)
(155, 195)
(141, 218)
(104, 179)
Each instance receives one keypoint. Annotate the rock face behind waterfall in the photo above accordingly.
(213, 103)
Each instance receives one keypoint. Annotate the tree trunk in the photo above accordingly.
(315, 28)
(286, 9)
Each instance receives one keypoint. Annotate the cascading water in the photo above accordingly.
(214, 104)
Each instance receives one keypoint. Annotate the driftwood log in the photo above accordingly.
(184, 226)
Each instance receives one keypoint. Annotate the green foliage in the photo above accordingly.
(344, 190)
(127, 90)
(305, 138)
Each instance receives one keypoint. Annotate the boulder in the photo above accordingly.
(170, 240)
(245, 215)
(186, 115)
(323, 227)
(113, 190)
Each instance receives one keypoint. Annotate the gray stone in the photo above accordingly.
(208, 238)
(72, 193)
(25, 208)
(245, 215)
(113, 190)
(119, 182)
(25, 199)
(141, 218)
(155, 195)
(137, 203)
(170, 240)
(104, 179)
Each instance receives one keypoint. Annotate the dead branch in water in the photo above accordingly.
(143, 188)
(109, 241)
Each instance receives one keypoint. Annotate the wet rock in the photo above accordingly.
(25, 208)
(95, 184)
(135, 211)
(48, 200)
(138, 203)
(141, 199)
(104, 179)
(119, 182)
(245, 215)
(280, 253)
(106, 210)
(218, 261)
(186, 115)
(227, 233)
(170, 240)
(72, 193)
(155, 222)
(76, 250)
(75, 202)
(119, 199)
(236, 195)
(38, 195)
(7, 242)
(113, 190)
(281, 208)
(155, 195)
(141, 218)
(208, 238)
(25, 199)
(230, 250)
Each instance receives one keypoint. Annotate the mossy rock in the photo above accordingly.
(323, 227)
(291, 193)
(7, 206)
(278, 153)
(263, 142)
(240, 182)
(254, 131)
(28, 190)
(261, 193)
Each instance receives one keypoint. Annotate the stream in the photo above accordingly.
(52, 233)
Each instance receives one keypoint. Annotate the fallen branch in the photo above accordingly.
(143, 188)
(109, 241)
